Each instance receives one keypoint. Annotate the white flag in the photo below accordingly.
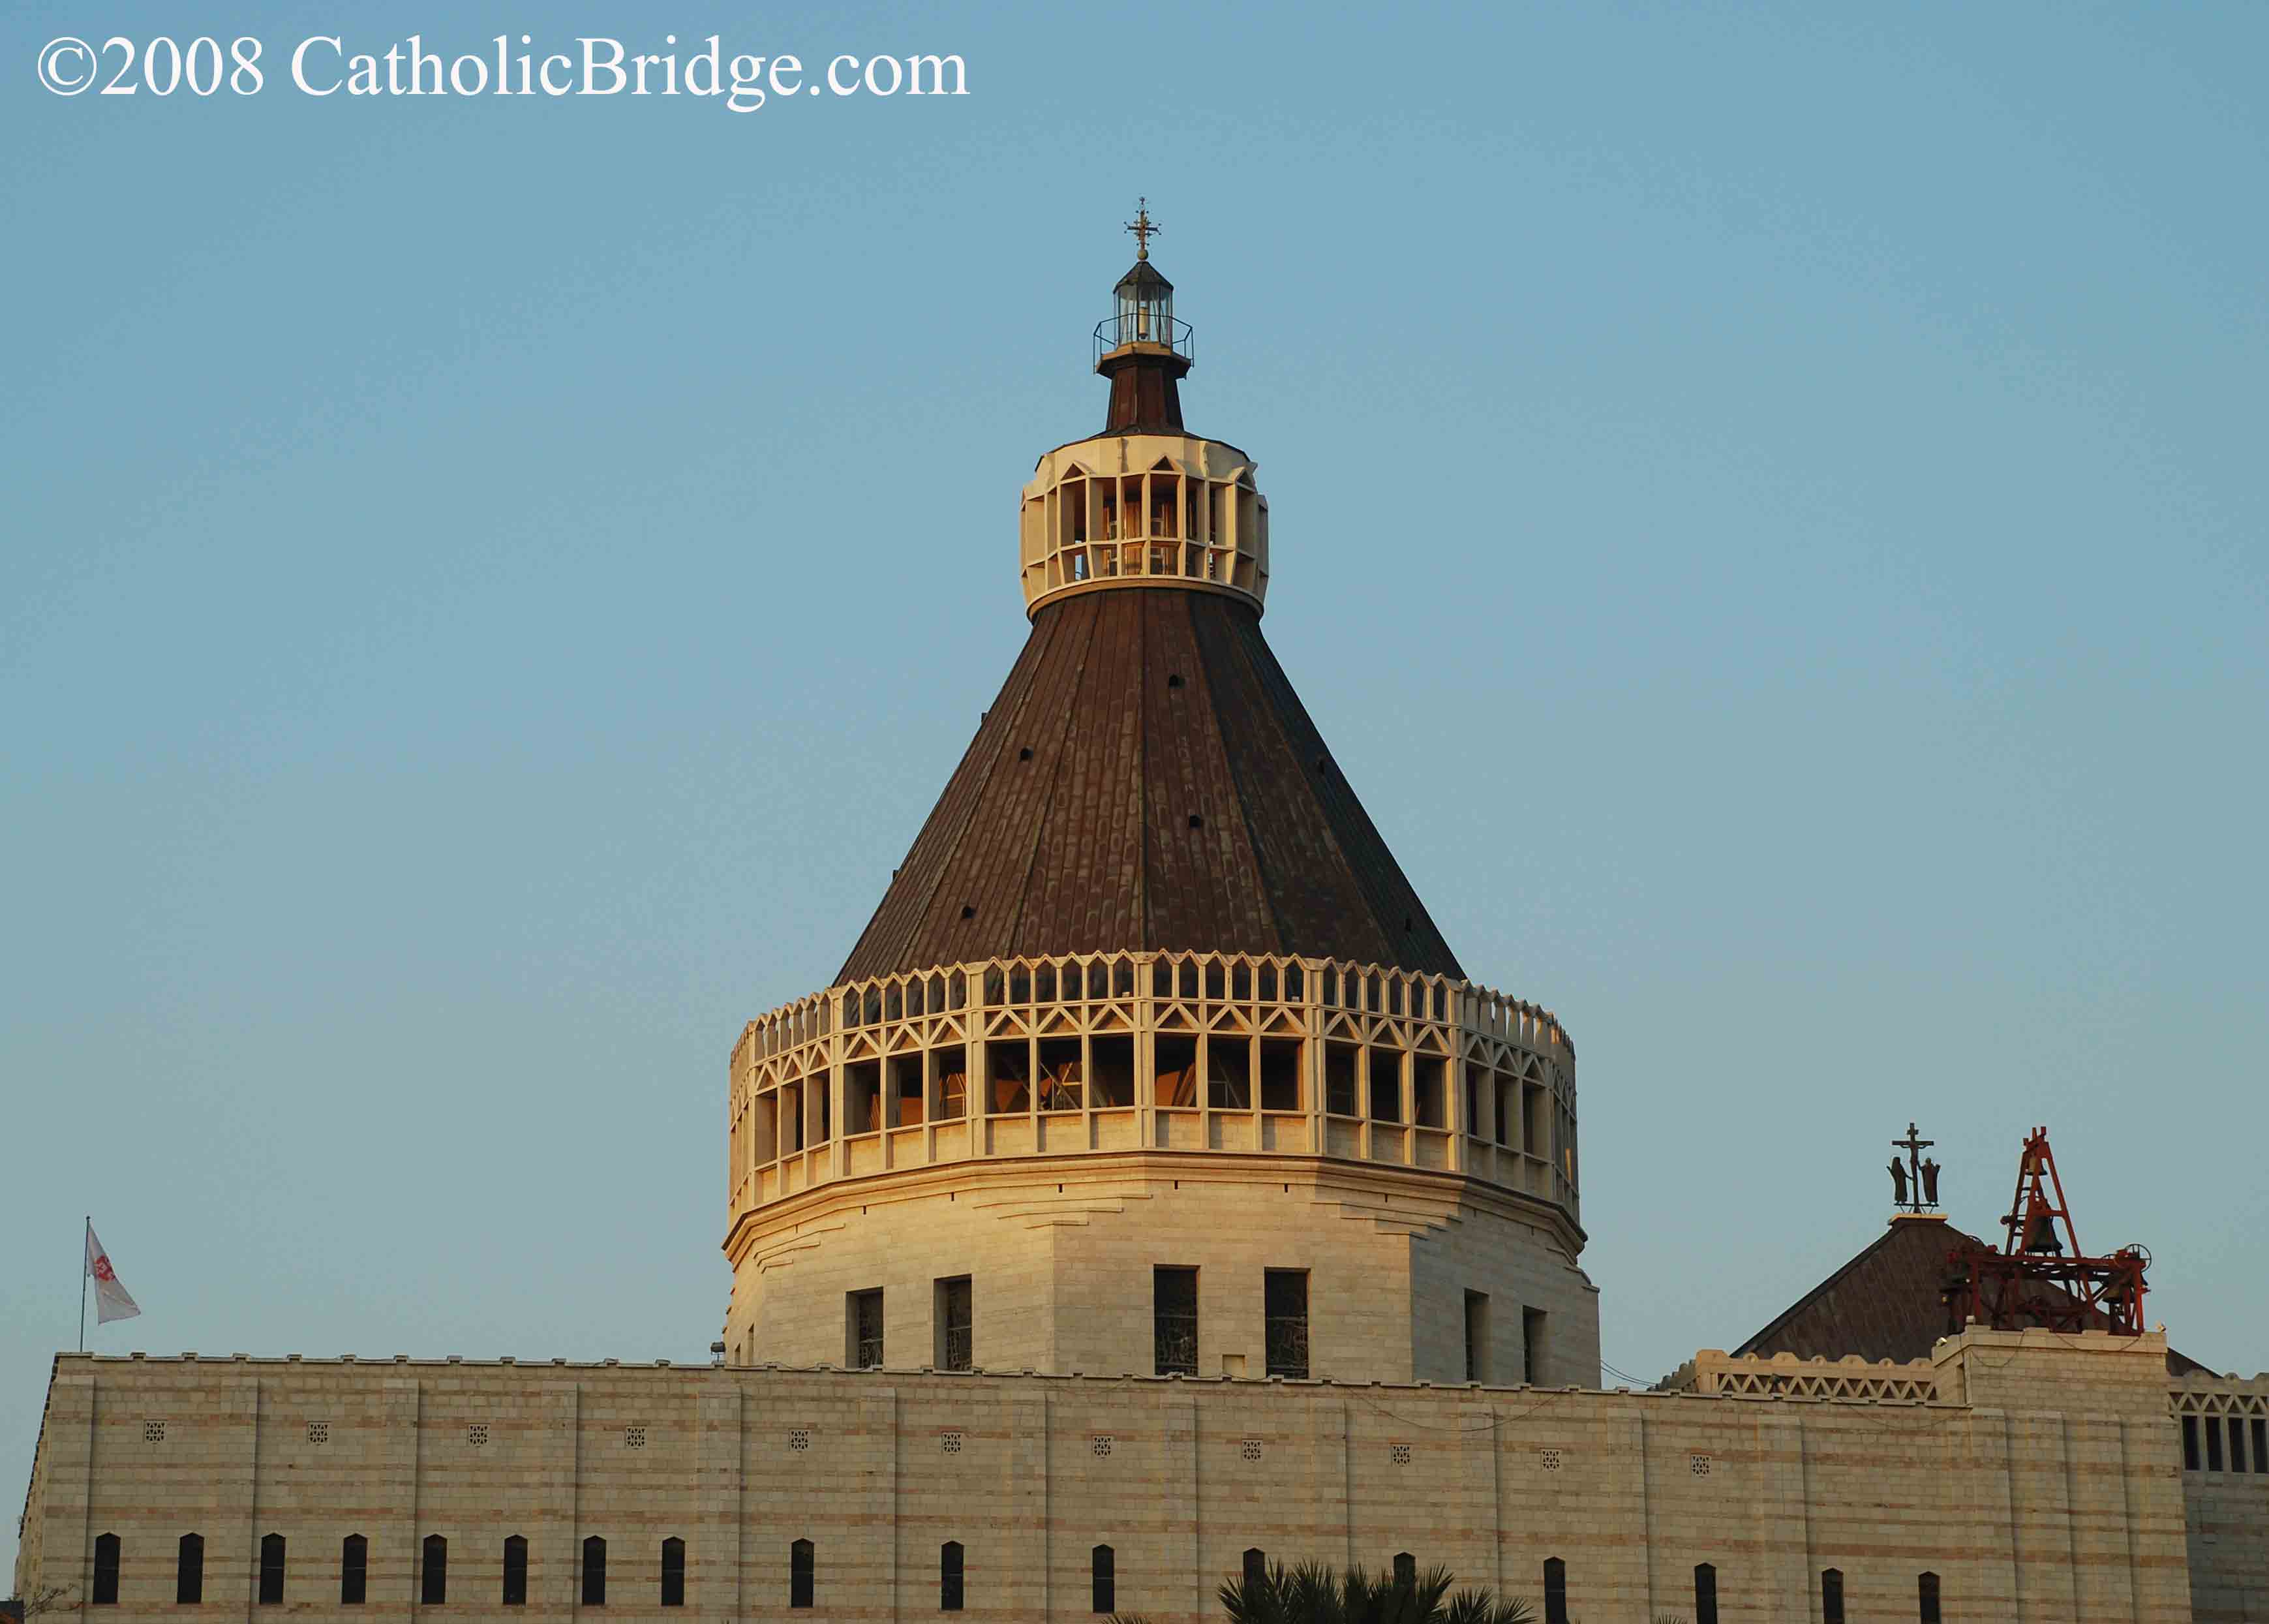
(110, 1299)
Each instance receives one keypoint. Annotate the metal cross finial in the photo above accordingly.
(1924, 1188)
(1143, 227)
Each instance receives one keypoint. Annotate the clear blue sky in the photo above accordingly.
(1768, 510)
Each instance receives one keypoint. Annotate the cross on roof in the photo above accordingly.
(1143, 227)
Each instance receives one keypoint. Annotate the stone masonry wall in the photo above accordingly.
(2039, 1515)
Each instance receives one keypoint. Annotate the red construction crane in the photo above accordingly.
(2040, 1277)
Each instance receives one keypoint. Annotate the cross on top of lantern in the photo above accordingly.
(1143, 321)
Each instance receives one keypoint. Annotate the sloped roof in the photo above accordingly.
(1887, 1303)
(1148, 779)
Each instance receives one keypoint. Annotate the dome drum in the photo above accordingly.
(1109, 1053)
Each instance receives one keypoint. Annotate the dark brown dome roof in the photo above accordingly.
(1148, 779)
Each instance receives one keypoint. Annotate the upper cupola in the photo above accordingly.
(1141, 347)
(1144, 503)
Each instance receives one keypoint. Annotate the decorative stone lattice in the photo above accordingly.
(319, 1432)
(153, 1432)
(1785, 1375)
(634, 1437)
(1198, 1052)
(476, 1434)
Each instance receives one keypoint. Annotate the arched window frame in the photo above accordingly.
(672, 1572)
(433, 1571)
(189, 1572)
(1102, 1579)
(595, 1571)
(106, 1571)
(1926, 1599)
(272, 1553)
(515, 1570)
(950, 1573)
(1556, 1590)
(1831, 1596)
(1705, 1593)
(1406, 1569)
(803, 1573)
(1256, 1564)
(354, 1570)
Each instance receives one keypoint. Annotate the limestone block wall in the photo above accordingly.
(2047, 1514)
(1060, 1258)
(2226, 1490)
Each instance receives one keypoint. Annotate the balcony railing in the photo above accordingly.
(1116, 332)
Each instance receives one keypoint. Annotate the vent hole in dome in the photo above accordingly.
(1174, 680)
(968, 911)
(1026, 755)
(1197, 822)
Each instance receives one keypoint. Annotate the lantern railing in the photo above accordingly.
(1116, 332)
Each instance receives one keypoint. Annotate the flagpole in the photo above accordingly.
(82, 1281)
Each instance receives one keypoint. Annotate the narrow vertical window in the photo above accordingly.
(1556, 1590)
(1477, 1337)
(433, 1579)
(949, 1577)
(799, 1568)
(2237, 1444)
(2190, 1444)
(1256, 1565)
(2213, 1444)
(105, 1570)
(1174, 1320)
(516, 1571)
(1103, 1572)
(595, 1572)
(1406, 1571)
(955, 1319)
(1831, 1596)
(354, 1570)
(672, 1572)
(189, 1572)
(1705, 1594)
(2261, 1444)
(1532, 1346)
(1926, 1598)
(1286, 1301)
(271, 1570)
(862, 1330)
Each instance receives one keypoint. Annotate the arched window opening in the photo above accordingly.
(1406, 1569)
(516, 1571)
(1831, 1596)
(189, 1573)
(1705, 1594)
(271, 1570)
(1256, 1564)
(595, 1572)
(800, 1567)
(354, 1570)
(1556, 1590)
(949, 1577)
(105, 1570)
(672, 1572)
(1103, 1572)
(1926, 1598)
(433, 1572)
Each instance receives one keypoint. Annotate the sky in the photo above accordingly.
(1767, 509)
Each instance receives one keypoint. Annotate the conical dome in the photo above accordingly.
(1148, 779)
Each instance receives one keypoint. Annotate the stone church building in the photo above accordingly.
(1151, 1195)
